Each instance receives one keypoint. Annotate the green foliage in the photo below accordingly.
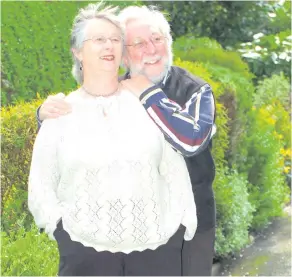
(18, 131)
(228, 22)
(234, 212)
(274, 89)
(44, 33)
(264, 165)
(269, 52)
(36, 47)
(237, 99)
(261, 153)
(15, 211)
(282, 18)
(234, 22)
(209, 51)
(269, 120)
(268, 55)
(273, 94)
(28, 254)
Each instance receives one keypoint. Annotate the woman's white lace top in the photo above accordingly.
(108, 172)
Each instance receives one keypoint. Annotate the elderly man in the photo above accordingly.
(148, 60)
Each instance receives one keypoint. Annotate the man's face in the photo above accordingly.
(146, 50)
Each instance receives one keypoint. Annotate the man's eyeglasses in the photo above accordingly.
(140, 43)
(100, 40)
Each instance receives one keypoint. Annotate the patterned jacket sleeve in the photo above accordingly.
(44, 178)
(39, 122)
(188, 129)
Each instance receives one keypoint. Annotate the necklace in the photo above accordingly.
(97, 95)
(105, 113)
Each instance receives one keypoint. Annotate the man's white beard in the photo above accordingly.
(154, 79)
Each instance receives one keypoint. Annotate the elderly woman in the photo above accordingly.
(103, 181)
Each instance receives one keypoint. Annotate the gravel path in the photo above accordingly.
(269, 255)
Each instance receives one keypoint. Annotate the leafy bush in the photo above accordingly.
(257, 139)
(28, 254)
(237, 99)
(209, 51)
(14, 214)
(265, 153)
(18, 131)
(264, 166)
(270, 54)
(234, 212)
(274, 89)
(225, 21)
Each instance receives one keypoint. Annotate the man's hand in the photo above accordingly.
(54, 106)
(137, 84)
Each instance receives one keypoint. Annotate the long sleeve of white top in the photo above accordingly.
(174, 170)
(44, 177)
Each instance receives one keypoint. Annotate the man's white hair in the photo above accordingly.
(152, 15)
(90, 12)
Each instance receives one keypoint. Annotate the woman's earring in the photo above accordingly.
(81, 66)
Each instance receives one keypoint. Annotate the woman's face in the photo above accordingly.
(102, 48)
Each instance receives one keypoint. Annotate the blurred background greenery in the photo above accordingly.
(242, 48)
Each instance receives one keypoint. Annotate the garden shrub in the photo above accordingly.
(237, 99)
(209, 51)
(277, 112)
(269, 54)
(228, 22)
(264, 166)
(18, 130)
(28, 253)
(274, 89)
(265, 153)
(234, 212)
(14, 214)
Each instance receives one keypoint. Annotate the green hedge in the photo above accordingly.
(209, 51)
(28, 253)
(234, 212)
